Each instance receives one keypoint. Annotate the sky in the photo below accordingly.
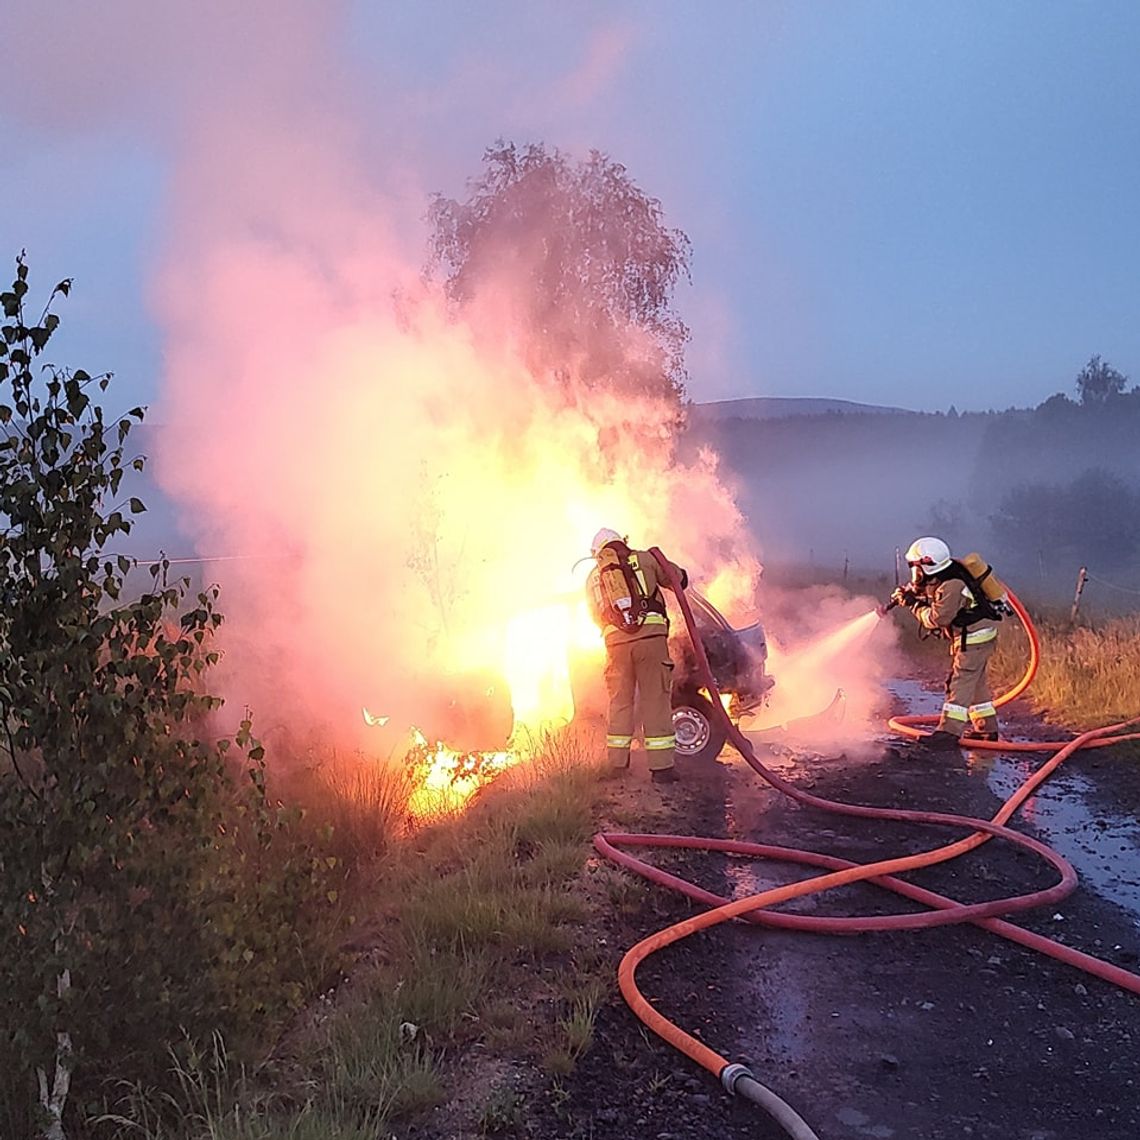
(918, 204)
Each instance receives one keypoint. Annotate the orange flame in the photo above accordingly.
(447, 779)
(538, 647)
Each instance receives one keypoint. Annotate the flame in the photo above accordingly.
(732, 590)
(726, 699)
(539, 645)
(447, 779)
(537, 667)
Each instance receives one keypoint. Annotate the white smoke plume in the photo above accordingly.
(398, 481)
(404, 483)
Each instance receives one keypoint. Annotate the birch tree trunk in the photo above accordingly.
(53, 1101)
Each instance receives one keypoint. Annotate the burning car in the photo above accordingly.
(473, 713)
(737, 658)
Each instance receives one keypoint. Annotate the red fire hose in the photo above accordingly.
(943, 911)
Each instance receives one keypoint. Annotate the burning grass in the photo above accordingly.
(474, 906)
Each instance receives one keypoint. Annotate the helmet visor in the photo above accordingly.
(918, 568)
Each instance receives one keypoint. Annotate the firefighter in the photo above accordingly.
(945, 598)
(624, 591)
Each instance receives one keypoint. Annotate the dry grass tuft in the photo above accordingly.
(1088, 676)
(367, 804)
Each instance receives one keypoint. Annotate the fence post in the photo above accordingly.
(1082, 577)
(846, 563)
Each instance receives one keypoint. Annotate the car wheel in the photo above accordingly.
(699, 730)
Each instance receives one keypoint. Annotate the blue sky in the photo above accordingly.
(911, 203)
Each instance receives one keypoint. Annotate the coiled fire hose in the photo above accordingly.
(737, 1078)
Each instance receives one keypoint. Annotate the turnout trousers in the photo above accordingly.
(968, 694)
(640, 673)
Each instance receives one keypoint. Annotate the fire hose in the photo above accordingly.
(736, 1078)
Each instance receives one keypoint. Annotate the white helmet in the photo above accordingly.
(603, 538)
(930, 555)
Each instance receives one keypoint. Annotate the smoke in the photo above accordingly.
(401, 481)
(398, 481)
(820, 641)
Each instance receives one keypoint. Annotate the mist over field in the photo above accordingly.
(1040, 491)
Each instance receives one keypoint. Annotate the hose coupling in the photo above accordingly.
(730, 1074)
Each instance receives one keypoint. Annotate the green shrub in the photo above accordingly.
(149, 891)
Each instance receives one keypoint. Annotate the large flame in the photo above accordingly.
(539, 647)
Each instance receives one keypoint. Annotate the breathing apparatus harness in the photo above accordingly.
(982, 605)
(620, 589)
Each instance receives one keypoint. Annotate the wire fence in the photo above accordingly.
(1084, 575)
(1111, 585)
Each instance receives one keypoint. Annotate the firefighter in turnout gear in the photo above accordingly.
(946, 598)
(624, 592)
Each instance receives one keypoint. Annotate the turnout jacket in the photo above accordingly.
(945, 600)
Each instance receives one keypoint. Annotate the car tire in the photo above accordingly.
(699, 729)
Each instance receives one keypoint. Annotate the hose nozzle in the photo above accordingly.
(902, 596)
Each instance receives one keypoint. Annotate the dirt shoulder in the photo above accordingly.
(911, 1036)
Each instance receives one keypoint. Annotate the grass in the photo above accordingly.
(376, 1063)
(216, 1100)
(502, 1113)
(361, 799)
(1088, 676)
(576, 1027)
(462, 923)
(486, 899)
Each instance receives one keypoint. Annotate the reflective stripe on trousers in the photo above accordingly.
(639, 678)
(968, 695)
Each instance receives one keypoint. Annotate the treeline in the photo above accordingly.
(1044, 489)
(1070, 479)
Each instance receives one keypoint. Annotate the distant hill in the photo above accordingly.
(1042, 491)
(781, 407)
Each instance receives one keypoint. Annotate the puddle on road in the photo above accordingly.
(1102, 846)
(913, 698)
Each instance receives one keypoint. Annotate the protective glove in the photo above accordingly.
(903, 597)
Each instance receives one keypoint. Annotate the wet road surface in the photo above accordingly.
(952, 1032)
